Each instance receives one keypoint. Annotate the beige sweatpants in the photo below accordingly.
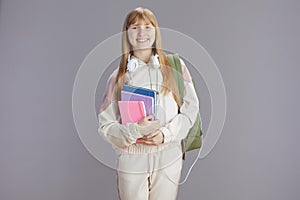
(149, 173)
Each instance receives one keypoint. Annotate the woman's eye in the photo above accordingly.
(136, 27)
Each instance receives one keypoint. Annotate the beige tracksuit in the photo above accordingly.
(144, 171)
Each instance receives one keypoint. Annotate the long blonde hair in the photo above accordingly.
(169, 83)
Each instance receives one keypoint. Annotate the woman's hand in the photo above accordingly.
(155, 138)
(146, 121)
(147, 126)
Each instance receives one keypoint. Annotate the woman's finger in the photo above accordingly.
(151, 135)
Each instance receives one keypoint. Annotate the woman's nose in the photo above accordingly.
(141, 29)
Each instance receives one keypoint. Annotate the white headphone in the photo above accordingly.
(132, 63)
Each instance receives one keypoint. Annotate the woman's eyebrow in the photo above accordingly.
(138, 24)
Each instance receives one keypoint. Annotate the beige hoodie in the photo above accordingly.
(174, 125)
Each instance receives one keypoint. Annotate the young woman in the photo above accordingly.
(149, 152)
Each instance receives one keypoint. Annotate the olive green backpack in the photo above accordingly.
(193, 139)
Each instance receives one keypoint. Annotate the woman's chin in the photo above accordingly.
(146, 47)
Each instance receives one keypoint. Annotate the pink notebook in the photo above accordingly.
(132, 111)
(148, 101)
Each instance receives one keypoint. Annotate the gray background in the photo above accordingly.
(255, 44)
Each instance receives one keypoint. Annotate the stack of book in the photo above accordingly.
(136, 103)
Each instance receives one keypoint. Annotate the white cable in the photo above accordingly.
(180, 183)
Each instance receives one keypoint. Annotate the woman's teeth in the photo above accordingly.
(142, 40)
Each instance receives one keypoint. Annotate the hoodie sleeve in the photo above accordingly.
(110, 128)
(178, 127)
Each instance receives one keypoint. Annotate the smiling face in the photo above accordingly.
(141, 35)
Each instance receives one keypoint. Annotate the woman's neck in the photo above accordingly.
(143, 55)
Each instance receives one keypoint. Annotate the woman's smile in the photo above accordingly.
(143, 40)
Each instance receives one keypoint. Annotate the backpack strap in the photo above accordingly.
(177, 73)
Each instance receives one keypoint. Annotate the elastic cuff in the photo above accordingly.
(167, 134)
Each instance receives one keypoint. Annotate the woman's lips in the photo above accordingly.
(142, 40)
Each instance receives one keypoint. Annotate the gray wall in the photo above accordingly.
(255, 44)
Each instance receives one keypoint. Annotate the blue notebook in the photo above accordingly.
(148, 101)
(143, 91)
